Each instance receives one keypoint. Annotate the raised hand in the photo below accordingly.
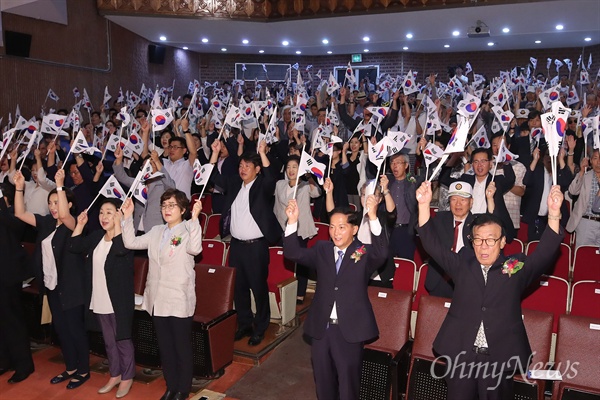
(490, 191)
(19, 180)
(82, 219)
(424, 193)
(371, 207)
(127, 208)
(328, 185)
(384, 182)
(196, 209)
(59, 177)
(292, 211)
(555, 199)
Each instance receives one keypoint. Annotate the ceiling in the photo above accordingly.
(431, 30)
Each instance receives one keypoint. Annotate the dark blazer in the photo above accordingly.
(503, 184)
(497, 303)
(348, 287)
(437, 282)
(13, 268)
(68, 265)
(261, 202)
(352, 123)
(119, 272)
(534, 181)
(521, 147)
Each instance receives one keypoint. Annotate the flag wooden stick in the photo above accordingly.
(298, 174)
(93, 201)
(553, 159)
(67, 157)
(438, 168)
(23, 161)
(426, 170)
(497, 159)
(330, 160)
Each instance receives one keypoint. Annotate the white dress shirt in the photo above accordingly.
(243, 226)
(182, 173)
(479, 200)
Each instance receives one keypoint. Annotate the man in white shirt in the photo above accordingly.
(180, 169)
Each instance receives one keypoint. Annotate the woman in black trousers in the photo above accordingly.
(60, 276)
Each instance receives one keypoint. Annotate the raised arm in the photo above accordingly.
(64, 210)
(20, 211)
(131, 241)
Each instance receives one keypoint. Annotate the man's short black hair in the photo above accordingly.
(252, 158)
(187, 96)
(486, 219)
(179, 140)
(353, 218)
(141, 111)
(533, 114)
(488, 152)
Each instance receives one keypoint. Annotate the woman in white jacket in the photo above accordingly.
(170, 294)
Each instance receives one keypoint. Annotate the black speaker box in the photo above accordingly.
(156, 54)
(17, 44)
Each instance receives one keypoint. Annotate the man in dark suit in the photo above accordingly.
(454, 227)
(248, 216)
(481, 160)
(483, 332)
(340, 318)
(522, 143)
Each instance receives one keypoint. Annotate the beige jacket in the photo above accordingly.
(171, 283)
(582, 186)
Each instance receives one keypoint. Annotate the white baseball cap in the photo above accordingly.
(462, 189)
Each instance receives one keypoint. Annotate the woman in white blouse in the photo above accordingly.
(170, 294)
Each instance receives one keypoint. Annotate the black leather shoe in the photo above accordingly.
(255, 340)
(3, 371)
(180, 396)
(61, 378)
(78, 380)
(168, 395)
(20, 376)
(242, 333)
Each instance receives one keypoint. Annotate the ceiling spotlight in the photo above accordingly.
(366, 39)
(405, 48)
(245, 41)
(446, 45)
(329, 52)
(298, 52)
(409, 35)
(285, 43)
(588, 39)
(204, 40)
(366, 50)
(261, 51)
(505, 30)
(325, 41)
(455, 33)
(185, 47)
(163, 38)
(538, 41)
(490, 44)
(223, 49)
(559, 27)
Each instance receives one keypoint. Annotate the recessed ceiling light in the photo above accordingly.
(455, 33)
(285, 43)
(505, 30)
(163, 38)
(366, 39)
(446, 45)
(204, 40)
(409, 35)
(366, 50)
(261, 51)
(559, 27)
(245, 41)
(588, 39)
(329, 52)
(298, 52)
(325, 41)
(185, 47)
(538, 41)
(490, 43)
(223, 49)
(405, 48)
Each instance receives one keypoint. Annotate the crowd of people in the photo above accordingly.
(83, 258)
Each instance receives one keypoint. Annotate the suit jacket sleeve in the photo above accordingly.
(131, 241)
(507, 181)
(379, 251)
(538, 262)
(194, 245)
(390, 120)
(447, 259)
(350, 122)
(294, 252)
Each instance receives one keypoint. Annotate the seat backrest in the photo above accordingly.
(585, 299)
(432, 312)
(280, 268)
(577, 341)
(522, 232)
(514, 247)
(585, 265)
(207, 203)
(203, 218)
(322, 234)
(212, 226)
(404, 276)
(392, 312)
(214, 291)
(140, 268)
(420, 290)
(538, 325)
(548, 294)
(562, 264)
(213, 252)
(421, 255)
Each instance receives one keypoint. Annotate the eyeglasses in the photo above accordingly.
(489, 241)
(168, 206)
(175, 147)
(480, 161)
(571, 121)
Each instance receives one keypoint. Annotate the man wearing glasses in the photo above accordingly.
(483, 332)
(180, 169)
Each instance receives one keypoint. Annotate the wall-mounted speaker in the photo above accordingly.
(156, 54)
(17, 44)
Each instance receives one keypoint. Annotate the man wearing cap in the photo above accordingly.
(483, 339)
(453, 228)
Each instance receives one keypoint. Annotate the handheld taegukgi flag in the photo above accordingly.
(161, 119)
(409, 85)
(396, 140)
(547, 97)
(433, 120)
(432, 153)
(234, 117)
(309, 165)
(378, 152)
(21, 123)
(349, 77)
(52, 96)
(6, 138)
(332, 84)
(469, 106)
(53, 123)
(111, 190)
(458, 137)
(481, 139)
(500, 96)
(107, 96)
(503, 117)
(573, 96)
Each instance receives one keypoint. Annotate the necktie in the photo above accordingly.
(338, 262)
(480, 340)
(456, 230)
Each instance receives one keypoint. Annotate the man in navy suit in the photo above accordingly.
(483, 333)
(340, 318)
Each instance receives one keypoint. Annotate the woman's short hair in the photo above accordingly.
(180, 198)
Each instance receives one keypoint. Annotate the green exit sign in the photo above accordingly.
(356, 58)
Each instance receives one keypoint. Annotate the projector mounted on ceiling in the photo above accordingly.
(479, 31)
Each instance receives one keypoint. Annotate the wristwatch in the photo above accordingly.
(60, 188)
